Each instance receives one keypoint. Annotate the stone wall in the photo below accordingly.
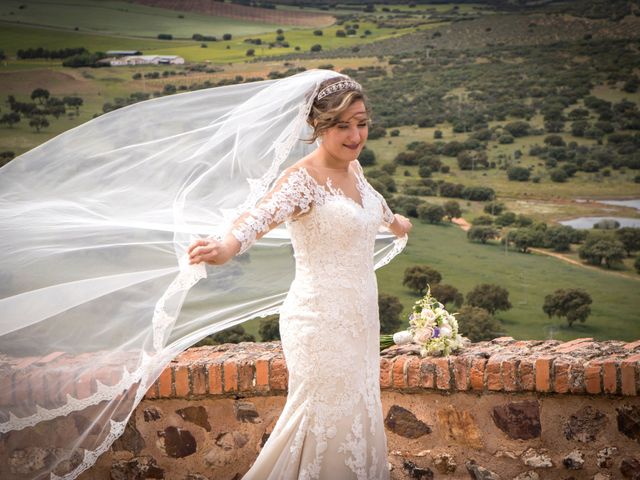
(501, 409)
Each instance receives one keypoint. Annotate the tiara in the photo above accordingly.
(337, 87)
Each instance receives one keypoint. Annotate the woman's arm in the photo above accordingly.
(292, 195)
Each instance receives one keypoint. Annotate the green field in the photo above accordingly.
(527, 277)
(118, 18)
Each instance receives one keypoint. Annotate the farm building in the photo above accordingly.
(123, 53)
(145, 60)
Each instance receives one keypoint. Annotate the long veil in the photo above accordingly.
(96, 296)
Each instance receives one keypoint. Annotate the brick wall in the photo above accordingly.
(507, 409)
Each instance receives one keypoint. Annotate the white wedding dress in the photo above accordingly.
(331, 427)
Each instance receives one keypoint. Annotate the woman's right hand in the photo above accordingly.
(212, 252)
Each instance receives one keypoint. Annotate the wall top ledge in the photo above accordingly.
(578, 367)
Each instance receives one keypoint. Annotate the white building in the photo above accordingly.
(146, 60)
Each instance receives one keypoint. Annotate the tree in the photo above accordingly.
(165, 36)
(367, 157)
(40, 94)
(607, 224)
(430, 213)
(38, 122)
(494, 208)
(630, 239)
(518, 129)
(250, 52)
(572, 303)
(445, 293)
(230, 335)
(74, 101)
(477, 324)
(419, 277)
(559, 237)
(558, 175)
(521, 174)
(227, 36)
(597, 250)
(505, 219)
(409, 204)
(452, 209)
(481, 233)
(523, 238)
(390, 309)
(269, 328)
(490, 297)
(10, 119)
(317, 33)
(316, 48)
(636, 264)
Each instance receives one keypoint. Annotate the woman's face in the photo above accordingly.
(344, 141)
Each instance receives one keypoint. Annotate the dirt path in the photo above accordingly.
(464, 225)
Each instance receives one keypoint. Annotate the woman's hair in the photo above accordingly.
(326, 111)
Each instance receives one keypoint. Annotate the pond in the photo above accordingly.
(587, 222)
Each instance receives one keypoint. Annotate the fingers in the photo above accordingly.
(195, 244)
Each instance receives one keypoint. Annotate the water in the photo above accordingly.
(587, 222)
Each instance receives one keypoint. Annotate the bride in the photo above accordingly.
(331, 426)
(104, 274)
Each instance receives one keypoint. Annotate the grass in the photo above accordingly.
(119, 18)
(527, 277)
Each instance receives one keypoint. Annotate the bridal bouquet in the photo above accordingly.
(431, 327)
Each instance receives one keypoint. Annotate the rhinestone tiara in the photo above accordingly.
(339, 86)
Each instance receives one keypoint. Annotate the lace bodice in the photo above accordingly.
(295, 193)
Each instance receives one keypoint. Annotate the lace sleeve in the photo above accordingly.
(387, 215)
(292, 195)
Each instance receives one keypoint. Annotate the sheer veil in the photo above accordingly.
(96, 296)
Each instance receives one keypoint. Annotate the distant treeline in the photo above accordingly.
(44, 53)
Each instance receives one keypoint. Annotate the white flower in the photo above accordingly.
(445, 331)
(428, 315)
(401, 338)
(423, 335)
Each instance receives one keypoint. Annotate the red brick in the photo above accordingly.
(385, 373)
(413, 372)
(25, 362)
(561, 376)
(610, 375)
(526, 375)
(476, 376)
(262, 373)
(38, 386)
(215, 377)
(510, 375)
(628, 376)
(592, 376)
(575, 347)
(443, 374)
(50, 358)
(230, 375)
(198, 379)
(279, 374)
(543, 374)
(164, 383)
(6, 390)
(246, 377)
(181, 380)
(461, 373)
(398, 372)
(86, 385)
(152, 392)
(494, 375)
(632, 345)
(427, 373)
(575, 344)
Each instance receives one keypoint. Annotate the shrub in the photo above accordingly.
(251, 52)
(316, 48)
(519, 174)
(558, 175)
(227, 37)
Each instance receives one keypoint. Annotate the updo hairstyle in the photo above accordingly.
(325, 112)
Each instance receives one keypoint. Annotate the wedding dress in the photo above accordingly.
(331, 426)
(97, 294)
